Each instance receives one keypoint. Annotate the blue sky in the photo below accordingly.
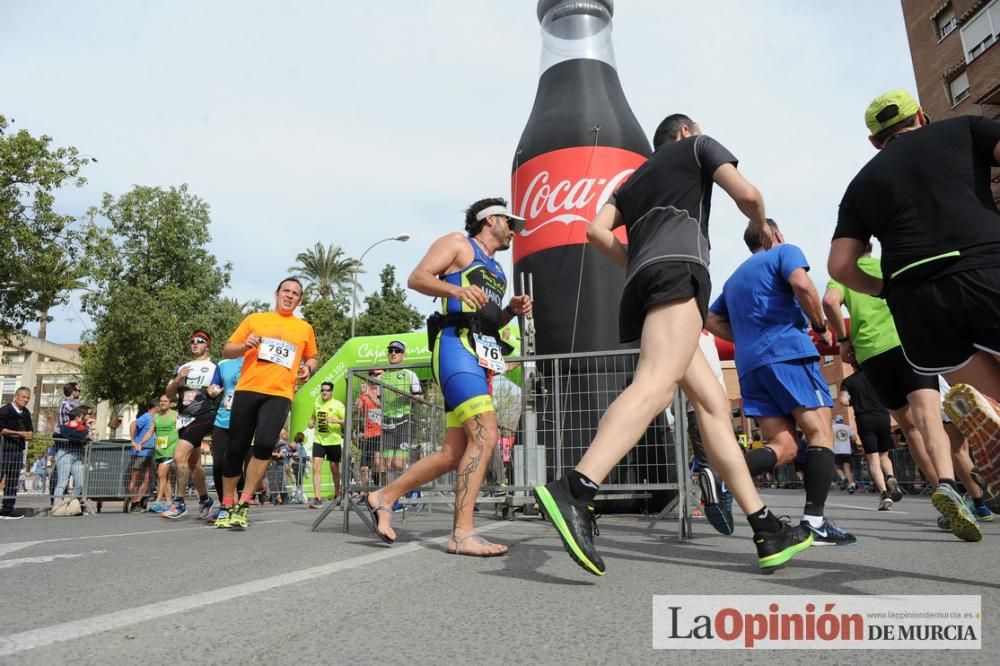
(345, 122)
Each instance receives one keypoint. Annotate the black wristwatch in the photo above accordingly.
(845, 338)
(509, 310)
(821, 329)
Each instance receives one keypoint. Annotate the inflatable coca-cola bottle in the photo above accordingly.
(580, 143)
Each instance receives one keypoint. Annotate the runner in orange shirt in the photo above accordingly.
(278, 349)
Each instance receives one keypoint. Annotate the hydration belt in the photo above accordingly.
(467, 320)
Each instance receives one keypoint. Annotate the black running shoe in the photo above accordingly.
(718, 501)
(575, 522)
(829, 534)
(892, 485)
(775, 549)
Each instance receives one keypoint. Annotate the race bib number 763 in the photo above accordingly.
(275, 350)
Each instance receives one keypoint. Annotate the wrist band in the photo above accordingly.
(846, 338)
(821, 329)
(509, 310)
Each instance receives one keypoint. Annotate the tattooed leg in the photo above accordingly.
(426, 469)
(482, 434)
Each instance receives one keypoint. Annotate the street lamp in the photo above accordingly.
(402, 238)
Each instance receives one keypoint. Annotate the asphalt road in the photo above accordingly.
(138, 589)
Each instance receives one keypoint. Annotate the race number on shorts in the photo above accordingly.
(488, 351)
(274, 350)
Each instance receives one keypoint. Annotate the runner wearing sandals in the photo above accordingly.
(466, 346)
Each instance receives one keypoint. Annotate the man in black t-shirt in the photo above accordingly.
(664, 206)
(926, 196)
(875, 432)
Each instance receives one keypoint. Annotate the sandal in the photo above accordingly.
(370, 517)
(478, 539)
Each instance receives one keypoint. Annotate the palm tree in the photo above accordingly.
(326, 269)
(61, 277)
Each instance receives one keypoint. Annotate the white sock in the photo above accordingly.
(814, 521)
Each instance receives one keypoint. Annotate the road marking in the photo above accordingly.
(864, 508)
(7, 548)
(41, 559)
(58, 633)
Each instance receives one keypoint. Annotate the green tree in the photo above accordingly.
(326, 270)
(33, 233)
(330, 320)
(153, 280)
(222, 319)
(387, 311)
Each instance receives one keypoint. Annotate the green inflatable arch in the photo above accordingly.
(370, 351)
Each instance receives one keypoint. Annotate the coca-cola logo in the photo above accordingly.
(559, 192)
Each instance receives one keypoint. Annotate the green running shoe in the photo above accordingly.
(575, 522)
(222, 520)
(962, 523)
(775, 549)
(238, 516)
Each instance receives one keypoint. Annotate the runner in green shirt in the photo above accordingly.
(328, 441)
(165, 434)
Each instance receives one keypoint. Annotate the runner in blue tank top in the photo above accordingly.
(462, 271)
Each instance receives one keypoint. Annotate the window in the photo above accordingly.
(945, 22)
(980, 32)
(958, 88)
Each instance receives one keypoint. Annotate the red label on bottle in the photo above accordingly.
(559, 192)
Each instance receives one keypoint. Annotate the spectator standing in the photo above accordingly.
(16, 429)
(329, 414)
(369, 404)
(71, 399)
(143, 444)
(72, 438)
(396, 408)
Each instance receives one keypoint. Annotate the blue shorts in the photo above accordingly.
(781, 388)
(463, 381)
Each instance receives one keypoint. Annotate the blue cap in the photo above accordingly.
(398, 343)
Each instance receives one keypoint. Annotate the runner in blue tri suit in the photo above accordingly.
(462, 271)
(457, 370)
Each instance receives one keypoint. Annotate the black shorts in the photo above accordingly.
(396, 433)
(892, 378)
(198, 429)
(661, 283)
(841, 458)
(875, 433)
(368, 446)
(331, 452)
(943, 322)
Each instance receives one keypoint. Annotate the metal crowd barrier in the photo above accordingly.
(549, 417)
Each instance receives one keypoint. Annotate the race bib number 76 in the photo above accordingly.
(488, 351)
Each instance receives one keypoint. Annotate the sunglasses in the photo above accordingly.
(199, 341)
(395, 350)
